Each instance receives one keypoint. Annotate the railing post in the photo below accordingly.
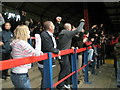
(86, 78)
(74, 68)
(98, 61)
(101, 60)
(47, 79)
(93, 64)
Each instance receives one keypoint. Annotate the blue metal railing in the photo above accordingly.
(48, 81)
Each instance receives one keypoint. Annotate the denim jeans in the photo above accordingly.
(90, 54)
(21, 81)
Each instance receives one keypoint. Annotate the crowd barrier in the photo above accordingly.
(47, 59)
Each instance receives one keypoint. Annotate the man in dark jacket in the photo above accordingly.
(117, 55)
(6, 48)
(58, 27)
(48, 44)
(77, 42)
(64, 42)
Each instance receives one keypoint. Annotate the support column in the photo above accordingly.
(86, 15)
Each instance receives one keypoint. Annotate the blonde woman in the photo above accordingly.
(21, 48)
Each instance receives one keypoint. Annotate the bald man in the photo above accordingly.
(64, 42)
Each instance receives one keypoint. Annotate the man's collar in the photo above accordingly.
(51, 34)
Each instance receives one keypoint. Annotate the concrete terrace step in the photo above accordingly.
(105, 78)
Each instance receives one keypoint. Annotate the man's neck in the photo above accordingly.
(49, 32)
(58, 22)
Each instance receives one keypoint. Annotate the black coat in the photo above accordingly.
(47, 43)
(77, 41)
(58, 29)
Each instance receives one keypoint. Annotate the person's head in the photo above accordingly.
(94, 26)
(31, 20)
(22, 33)
(48, 25)
(86, 33)
(7, 26)
(67, 26)
(58, 19)
(27, 23)
(23, 13)
(102, 32)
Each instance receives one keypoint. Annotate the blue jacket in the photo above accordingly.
(7, 35)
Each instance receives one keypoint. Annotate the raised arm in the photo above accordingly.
(81, 25)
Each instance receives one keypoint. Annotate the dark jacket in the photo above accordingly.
(117, 51)
(58, 29)
(77, 41)
(47, 43)
(7, 35)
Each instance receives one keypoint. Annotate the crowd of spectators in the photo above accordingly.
(54, 37)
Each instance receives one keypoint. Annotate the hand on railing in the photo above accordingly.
(59, 57)
(59, 52)
(72, 47)
(41, 53)
(38, 53)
